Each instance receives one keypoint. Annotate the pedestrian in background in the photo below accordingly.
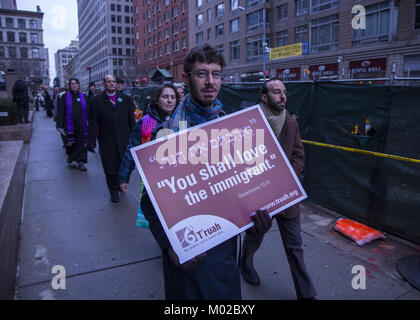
(21, 98)
(113, 117)
(73, 116)
(286, 129)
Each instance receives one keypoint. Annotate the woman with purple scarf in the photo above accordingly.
(73, 115)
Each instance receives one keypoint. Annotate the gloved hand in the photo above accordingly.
(190, 264)
(262, 222)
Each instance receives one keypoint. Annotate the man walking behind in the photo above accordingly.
(20, 96)
(273, 96)
(114, 120)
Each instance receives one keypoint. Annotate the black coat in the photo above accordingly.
(114, 125)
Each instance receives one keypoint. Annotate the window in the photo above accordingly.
(199, 19)
(234, 4)
(166, 17)
(235, 49)
(183, 6)
(175, 28)
(184, 43)
(253, 3)
(167, 33)
(234, 25)
(324, 34)
(22, 37)
(167, 48)
(21, 23)
(220, 10)
(12, 52)
(10, 36)
(301, 7)
(24, 52)
(199, 3)
(281, 38)
(35, 53)
(208, 14)
(199, 37)
(220, 30)
(254, 50)
(321, 5)
(183, 25)
(175, 46)
(255, 20)
(174, 12)
(220, 49)
(378, 24)
(301, 34)
(112, 6)
(9, 23)
(282, 12)
(417, 15)
(2, 52)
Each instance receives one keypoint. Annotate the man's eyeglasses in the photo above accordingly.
(203, 74)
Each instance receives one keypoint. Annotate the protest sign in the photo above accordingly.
(205, 182)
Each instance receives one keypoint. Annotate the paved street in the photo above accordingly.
(70, 221)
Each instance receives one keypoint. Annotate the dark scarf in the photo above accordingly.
(193, 113)
(69, 119)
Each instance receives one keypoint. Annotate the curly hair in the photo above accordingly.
(206, 54)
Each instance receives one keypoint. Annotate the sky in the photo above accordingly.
(60, 24)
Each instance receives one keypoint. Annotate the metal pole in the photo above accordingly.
(263, 43)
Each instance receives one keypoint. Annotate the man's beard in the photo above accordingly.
(275, 106)
(194, 95)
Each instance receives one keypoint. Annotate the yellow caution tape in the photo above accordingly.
(372, 153)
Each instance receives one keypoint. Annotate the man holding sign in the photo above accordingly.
(213, 274)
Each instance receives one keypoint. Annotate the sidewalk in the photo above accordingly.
(69, 221)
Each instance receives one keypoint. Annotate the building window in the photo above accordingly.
(24, 52)
(255, 20)
(282, 12)
(234, 4)
(301, 7)
(321, 5)
(167, 33)
(199, 37)
(175, 28)
(184, 43)
(22, 37)
(199, 19)
(167, 48)
(324, 34)
(378, 24)
(235, 49)
(199, 3)
(220, 10)
(220, 49)
(183, 6)
(208, 34)
(166, 17)
(9, 23)
(176, 46)
(220, 30)
(183, 24)
(417, 15)
(301, 34)
(21, 24)
(234, 25)
(253, 3)
(254, 50)
(35, 53)
(12, 52)
(174, 12)
(2, 52)
(281, 38)
(10, 36)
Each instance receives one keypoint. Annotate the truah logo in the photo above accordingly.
(187, 236)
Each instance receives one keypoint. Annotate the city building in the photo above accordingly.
(62, 58)
(310, 39)
(8, 4)
(161, 38)
(46, 77)
(106, 40)
(21, 43)
(73, 68)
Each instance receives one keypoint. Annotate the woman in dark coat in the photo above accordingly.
(73, 115)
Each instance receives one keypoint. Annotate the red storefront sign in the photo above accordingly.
(289, 73)
(324, 70)
(371, 66)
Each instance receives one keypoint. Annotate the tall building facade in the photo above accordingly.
(62, 58)
(161, 37)
(8, 4)
(106, 40)
(380, 38)
(22, 44)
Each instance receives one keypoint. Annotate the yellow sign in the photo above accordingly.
(290, 50)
